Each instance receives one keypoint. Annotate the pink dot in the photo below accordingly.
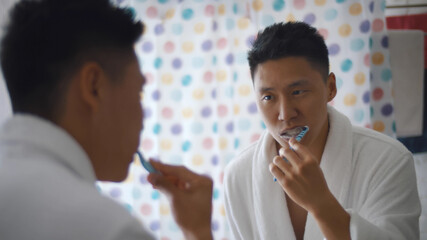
(169, 47)
(149, 78)
(222, 110)
(255, 137)
(165, 238)
(147, 144)
(221, 177)
(377, 25)
(222, 42)
(145, 209)
(167, 112)
(332, 102)
(324, 33)
(299, 4)
(368, 126)
(209, 10)
(152, 12)
(367, 59)
(377, 94)
(208, 77)
(207, 143)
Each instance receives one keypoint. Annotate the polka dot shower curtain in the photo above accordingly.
(198, 102)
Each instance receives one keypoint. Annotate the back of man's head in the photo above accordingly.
(46, 42)
(292, 39)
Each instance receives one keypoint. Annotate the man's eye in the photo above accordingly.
(297, 92)
(266, 98)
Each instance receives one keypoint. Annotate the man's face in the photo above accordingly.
(291, 94)
(122, 122)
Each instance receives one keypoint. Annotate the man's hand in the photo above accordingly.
(303, 181)
(190, 196)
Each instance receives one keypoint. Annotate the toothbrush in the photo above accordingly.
(147, 165)
(298, 138)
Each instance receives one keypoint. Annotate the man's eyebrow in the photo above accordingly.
(297, 83)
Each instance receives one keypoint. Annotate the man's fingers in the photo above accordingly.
(180, 172)
(164, 184)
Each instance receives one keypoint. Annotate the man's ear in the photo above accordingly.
(91, 83)
(332, 86)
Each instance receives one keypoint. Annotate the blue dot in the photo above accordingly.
(331, 14)
(215, 128)
(346, 65)
(235, 8)
(215, 193)
(147, 112)
(156, 95)
(229, 59)
(371, 7)
(236, 143)
(136, 193)
(372, 111)
(186, 80)
(278, 5)
(263, 125)
(241, 58)
(207, 45)
(159, 29)
(186, 146)
(177, 29)
(371, 43)
(163, 1)
(310, 18)
(132, 11)
(393, 126)
(366, 97)
(229, 24)
(157, 128)
(244, 124)
(214, 60)
(365, 26)
(267, 20)
(155, 225)
(176, 160)
(229, 127)
(387, 109)
(214, 160)
(357, 44)
(198, 62)
(176, 95)
(155, 195)
(383, 5)
(128, 207)
(339, 82)
(229, 92)
(341, 1)
(333, 49)
(213, 94)
(252, 108)
(235, 76)
(147, 47)
(384, 42)
(386, 75)
(158, 63)
(176, 63)
(196, 128)
(359, 115)
(187, 14)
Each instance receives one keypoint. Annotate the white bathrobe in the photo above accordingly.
(370, 174)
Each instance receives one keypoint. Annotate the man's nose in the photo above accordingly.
(287, 111)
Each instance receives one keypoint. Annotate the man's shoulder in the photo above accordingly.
(241, 164)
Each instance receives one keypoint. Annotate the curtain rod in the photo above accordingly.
(407, 6)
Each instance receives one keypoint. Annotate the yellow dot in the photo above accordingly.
(164, 209)
(141, 96)
(243, 23)
(359, 78)
(222, 210)
(188, 47)
(221, 9)
(187, 112)
(350, 99)
(221, 75)
(223, 143)
(377, 58)
(344, 30)
(170, 13)
(198, 94)
(355, 9)
(167, 79)
(236, 109)
(197, 160)
(165, 144)
(257, 5)
(290, 18)
(236, 42)
(379, 126)
(244, 90)
(319, 2)
(199, 28)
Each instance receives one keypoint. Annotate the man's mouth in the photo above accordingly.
(288, 134)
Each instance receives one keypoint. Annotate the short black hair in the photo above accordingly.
(46, 41)
(291, 39)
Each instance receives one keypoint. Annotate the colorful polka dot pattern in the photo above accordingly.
(198, 101)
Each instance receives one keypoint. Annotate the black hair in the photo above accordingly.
(291, 39)
(46, 41)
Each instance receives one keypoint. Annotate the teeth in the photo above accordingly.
(291, 133)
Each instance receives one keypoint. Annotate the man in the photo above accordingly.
(75, 87)
(339, 181)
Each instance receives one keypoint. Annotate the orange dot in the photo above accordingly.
(350, 99)
(319, 2)
(379, 126)
(344, 30)
(377, 58)
(221, 9)
(359, 78)
(355, 9)
(257, 5)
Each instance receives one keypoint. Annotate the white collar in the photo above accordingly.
(34, 131)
